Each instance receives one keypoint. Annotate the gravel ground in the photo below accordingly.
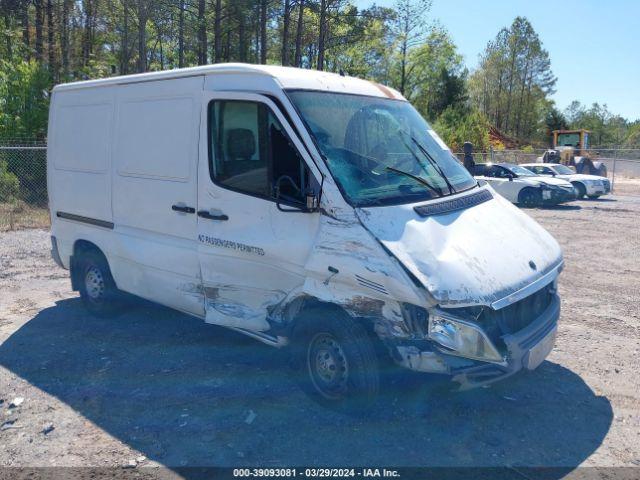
(157, 388)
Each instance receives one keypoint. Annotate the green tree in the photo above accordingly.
(47, 41)
(606, 128)
(436, 75)
(514, 80)
(410, 30)
(554, 120)
(458, 125)
(24, 99)
(633, 136)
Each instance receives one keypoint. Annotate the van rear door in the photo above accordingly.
(252, 254)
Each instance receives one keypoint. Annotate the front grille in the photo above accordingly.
(517, 316)
(563, 193)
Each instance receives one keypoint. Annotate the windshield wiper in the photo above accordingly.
(418, 179)
(436, 166)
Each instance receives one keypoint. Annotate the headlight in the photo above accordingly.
(462, 338)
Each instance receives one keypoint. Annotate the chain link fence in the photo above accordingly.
(23, 177)
(23, 186)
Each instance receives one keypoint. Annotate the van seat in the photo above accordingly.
(241, 144)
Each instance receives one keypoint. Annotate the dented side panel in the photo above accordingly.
(348, 267)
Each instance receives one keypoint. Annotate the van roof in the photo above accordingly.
(288, 77)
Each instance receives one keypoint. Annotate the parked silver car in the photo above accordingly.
(592, 186)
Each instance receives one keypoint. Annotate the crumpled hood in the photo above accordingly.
(469, 257)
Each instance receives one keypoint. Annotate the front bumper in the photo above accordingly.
(603, 189)
(559, 196)
(526, 349)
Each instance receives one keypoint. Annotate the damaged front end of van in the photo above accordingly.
(453, 278)
(489, 274)
(465, 291)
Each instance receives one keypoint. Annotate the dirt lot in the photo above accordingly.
(157, 388)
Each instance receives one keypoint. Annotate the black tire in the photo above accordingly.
(594, 197)
(530, 198)
(581, 191)
(98, 290)
(335, 361)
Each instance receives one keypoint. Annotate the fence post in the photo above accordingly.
(491, 152)
(613, 174)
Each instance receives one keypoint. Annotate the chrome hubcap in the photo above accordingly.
(94, 283)
(328, 365)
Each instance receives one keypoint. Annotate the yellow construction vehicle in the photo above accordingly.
(572, 148)
(576, 139)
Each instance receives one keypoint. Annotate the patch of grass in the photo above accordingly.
(19, 216)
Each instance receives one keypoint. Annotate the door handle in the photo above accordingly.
(181, 209)
(206, 215)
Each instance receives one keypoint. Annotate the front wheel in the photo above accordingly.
(530, 198)
(580, 189)
(594, 197)
(336, 361)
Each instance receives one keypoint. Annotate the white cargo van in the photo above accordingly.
(301, 208)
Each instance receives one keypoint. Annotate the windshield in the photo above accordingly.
(563, 170)
(521, 171)
(380, 151)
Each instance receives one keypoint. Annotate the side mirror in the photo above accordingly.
(511, 178)
(310, 205)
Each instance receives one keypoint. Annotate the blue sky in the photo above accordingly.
(594, 45)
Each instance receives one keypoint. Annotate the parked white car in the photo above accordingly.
(523, 187)
(300, 208)
(592, 186)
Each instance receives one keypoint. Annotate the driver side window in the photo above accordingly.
(492, 171)
(541, 170)
(502, 173)
(250, 151)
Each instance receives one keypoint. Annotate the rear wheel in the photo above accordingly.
(580, 189)
(98, 290)
(336, 361)
(594, 197)
(530, 198)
